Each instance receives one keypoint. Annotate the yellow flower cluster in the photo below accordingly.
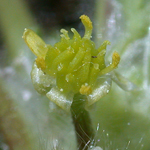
(74, 63)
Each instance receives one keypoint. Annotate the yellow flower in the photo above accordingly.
(73, 65)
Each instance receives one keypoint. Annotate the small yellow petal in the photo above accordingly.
(35, 43)
(115, 59)
(85, 89)
(40, 62)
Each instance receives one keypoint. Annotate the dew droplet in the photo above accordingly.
(60, 66)
(61, 90)
(86, 84)
(26, 95)
(107, 91)
(128, 124)
(98, 140)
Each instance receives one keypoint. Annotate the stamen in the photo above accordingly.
(76, 62)
(76, 34)
(88, 26)
(115, 62)
(103, 46)
(65, 34)
(64, 56)
(84, 70)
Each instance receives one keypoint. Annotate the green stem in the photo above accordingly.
(82, 122)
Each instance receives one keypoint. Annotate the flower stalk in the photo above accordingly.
(82, 122)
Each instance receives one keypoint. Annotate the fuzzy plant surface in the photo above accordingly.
(123, 117)
(120, 119)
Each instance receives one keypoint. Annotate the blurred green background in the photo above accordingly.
(30, 121)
